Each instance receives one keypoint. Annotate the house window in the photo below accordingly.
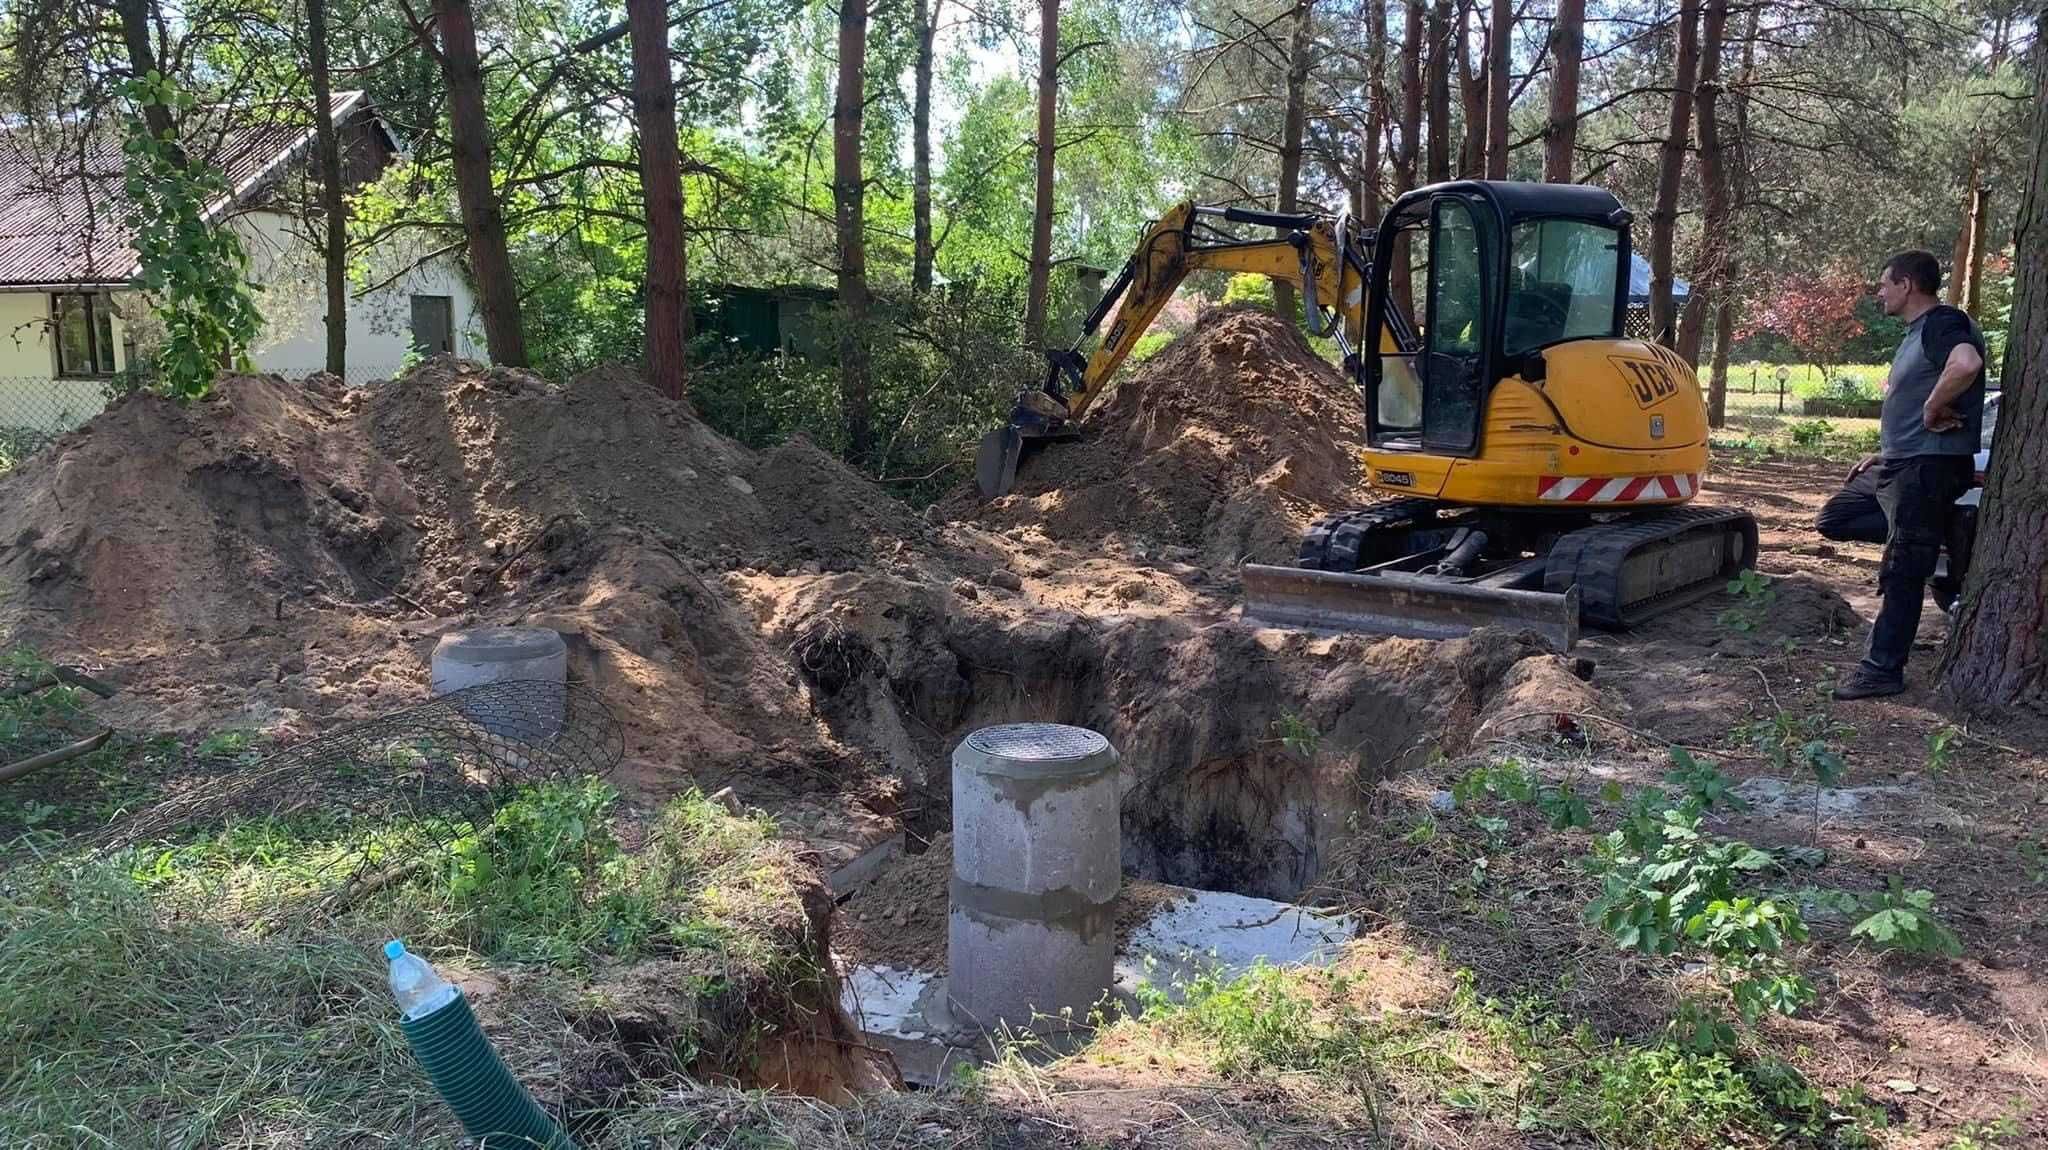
(433, 324)
(84, 324)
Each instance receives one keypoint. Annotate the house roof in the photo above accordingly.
(60, 190)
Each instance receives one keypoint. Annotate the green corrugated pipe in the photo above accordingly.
(494, 1108)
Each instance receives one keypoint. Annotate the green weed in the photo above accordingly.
(1754, 597)
(1901, 919)
(1811, 432)
(229, 744)
(1941, 747)
(1986, 1135)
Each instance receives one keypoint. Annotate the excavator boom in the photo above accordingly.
(1325, 259)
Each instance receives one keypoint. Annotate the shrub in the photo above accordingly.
(1251, 288)
(1811, 432)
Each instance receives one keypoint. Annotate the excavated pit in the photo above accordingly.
(768, 621)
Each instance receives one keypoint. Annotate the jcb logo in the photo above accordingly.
(1651, 381)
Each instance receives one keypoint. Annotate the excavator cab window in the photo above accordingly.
(1454, 368)
(1426, 388)
(1397, 384)
(1561, 281)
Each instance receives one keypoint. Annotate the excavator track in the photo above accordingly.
(1368, 570)
(1349, 540)
(1632, 569)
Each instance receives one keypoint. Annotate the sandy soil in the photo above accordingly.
(283, 558)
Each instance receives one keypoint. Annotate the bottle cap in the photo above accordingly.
(394, 948)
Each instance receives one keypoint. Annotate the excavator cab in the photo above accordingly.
(1471, 280)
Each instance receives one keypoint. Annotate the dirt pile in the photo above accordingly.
(1223, 446)
(284, 556)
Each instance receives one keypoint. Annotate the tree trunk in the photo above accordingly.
(1411, 99)
(1735, 171)
(333, 208)
(1567, 47)
(1500, 45)
(1399, 282)
(1724, 334)
(1997, 653)
(1670, 171)
(483, 222)
(1707, 278)
(1299, 44)
(1375, 113)
(135, 36)
(855, 401)
(1440, 92)
(1965, 237)
(1472, 97)
(923, 255)
(1041, 212)
(1980, 237)
(661, 187)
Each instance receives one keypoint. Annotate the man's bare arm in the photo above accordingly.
(1956, 377)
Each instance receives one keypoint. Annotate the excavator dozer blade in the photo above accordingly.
(1416, 606)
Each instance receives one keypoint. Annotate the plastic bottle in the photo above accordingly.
(419, 990)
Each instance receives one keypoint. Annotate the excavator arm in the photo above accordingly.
(1327, 261)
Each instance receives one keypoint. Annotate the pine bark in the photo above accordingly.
(1500, 51)
(1959, 259)
(923, 251)
(1708, 278)
(1375, 113)
(1567, 49)
(1671, 171)
(1300, 44)
(483, 220)
(333, 207)
(1405, 165)
(1980, 241)
(1439, 65)
(1041, 213)
(1472, 97)
(856, 401)
(661, 189)
(1997, 655)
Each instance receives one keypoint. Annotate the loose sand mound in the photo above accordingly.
(1228, 442)
(284, 556)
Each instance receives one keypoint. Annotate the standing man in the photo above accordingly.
(1933, 417)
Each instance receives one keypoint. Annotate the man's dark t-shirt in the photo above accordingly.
(1916, 368)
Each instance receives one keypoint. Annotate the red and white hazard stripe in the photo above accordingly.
(1622, 489)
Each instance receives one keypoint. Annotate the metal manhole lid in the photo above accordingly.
(1038, 742)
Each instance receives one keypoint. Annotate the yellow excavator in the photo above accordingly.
(1540, 460)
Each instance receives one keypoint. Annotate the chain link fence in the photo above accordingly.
(36, 409)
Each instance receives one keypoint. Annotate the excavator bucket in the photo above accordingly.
(995, 461)
(1394, 603)
(1038, 419)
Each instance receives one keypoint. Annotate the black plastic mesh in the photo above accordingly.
(436, 770)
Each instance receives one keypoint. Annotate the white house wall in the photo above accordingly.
(29, 397)
(294, 339)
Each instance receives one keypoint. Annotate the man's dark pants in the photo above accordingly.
(1853, 514)
(1918, 495)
